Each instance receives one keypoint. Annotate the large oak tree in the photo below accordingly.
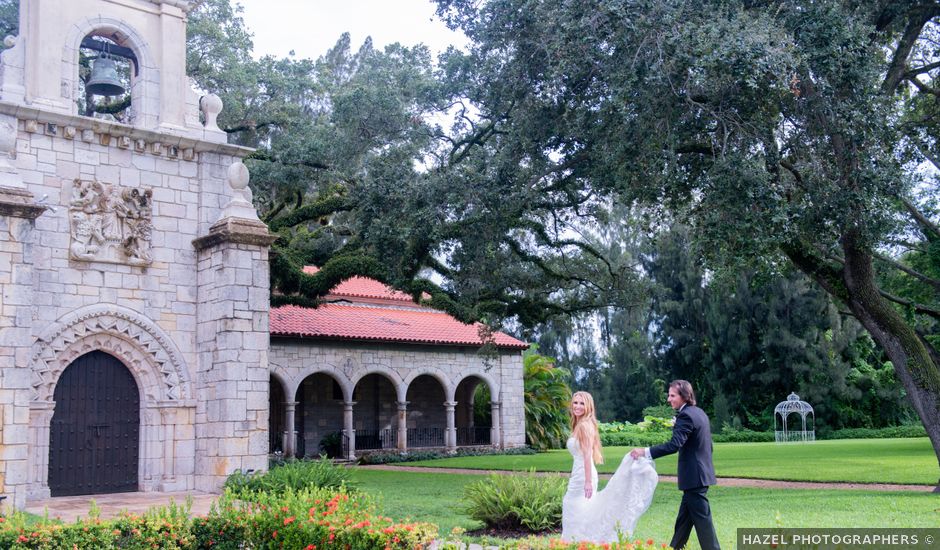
(781, 131)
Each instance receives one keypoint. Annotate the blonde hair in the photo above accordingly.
(584, 429)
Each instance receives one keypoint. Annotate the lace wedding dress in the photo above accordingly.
(616, 508)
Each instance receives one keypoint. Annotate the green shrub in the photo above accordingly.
(332, 445)
(615, 427)
(324, 518)
(659, 411)
(165, 528)
(516, 501)
(634, 439)
(908, 430)
(741, 435)
(413, 456)
(295, 475)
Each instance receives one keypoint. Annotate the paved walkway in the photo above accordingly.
(722, 481)
(68, 509)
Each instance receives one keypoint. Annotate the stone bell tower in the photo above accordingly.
(127, 246)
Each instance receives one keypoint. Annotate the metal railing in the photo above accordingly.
(425, 437)
(474, 435)
(374, 439)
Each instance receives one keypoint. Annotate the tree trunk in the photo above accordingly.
(913, 362)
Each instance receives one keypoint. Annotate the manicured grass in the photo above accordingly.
(909, 460)
(436, 498)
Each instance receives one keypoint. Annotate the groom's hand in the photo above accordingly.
(637, 453)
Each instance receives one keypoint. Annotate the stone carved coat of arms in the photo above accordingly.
(110, 223)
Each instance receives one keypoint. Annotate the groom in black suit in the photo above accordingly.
(692, 437)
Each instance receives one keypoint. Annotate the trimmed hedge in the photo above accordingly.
(413, 456)
(910, 430)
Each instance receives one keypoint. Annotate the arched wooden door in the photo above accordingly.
(94, 438)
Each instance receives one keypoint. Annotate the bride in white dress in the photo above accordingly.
(598, 516)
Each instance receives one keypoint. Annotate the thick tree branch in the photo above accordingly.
(921, 70)
(913, 273)
(926, 224)
(265, 155)
(244, 126)
(919, 308)
(898, 66)
(827, 276)
(923, 87)
(318, 209)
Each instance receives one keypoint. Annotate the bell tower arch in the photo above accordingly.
(42, 67)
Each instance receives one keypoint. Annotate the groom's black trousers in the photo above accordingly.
(694, 510)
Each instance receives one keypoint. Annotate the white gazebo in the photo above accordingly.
(793, 405)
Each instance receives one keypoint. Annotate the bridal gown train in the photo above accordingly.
(617, 507)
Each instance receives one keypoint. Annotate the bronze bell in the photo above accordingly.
(104, 78)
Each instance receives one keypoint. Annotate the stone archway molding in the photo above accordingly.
(147, 351)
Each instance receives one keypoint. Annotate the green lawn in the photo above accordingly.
(436, 498)
(910, 460)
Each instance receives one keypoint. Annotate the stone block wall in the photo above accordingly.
(55, 307)
(232, 340)
(293, 360)
(16, 298)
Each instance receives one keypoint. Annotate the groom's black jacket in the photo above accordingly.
(692, 437)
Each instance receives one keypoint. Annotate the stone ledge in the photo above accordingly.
(99, 128)
(19, 203)
(238, 231)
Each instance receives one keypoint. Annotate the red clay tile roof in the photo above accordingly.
(362, 287)
(362, 318)
(360, 322)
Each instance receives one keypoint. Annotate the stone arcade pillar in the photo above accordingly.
(494, 430)
(450, 435)
(290, 430)
(232, 340)
(402, 443)
(18, 212)
(348, 429)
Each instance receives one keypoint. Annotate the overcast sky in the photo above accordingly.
(310, 27)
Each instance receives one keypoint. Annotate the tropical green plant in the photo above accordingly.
(292, 475)
(332, 444)
(546, 401)
(519, 501)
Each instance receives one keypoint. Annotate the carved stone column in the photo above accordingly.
(494, 431)
(348, 429)
(40, 419)
(169, 419)
(450, 436)
(290, 432)
(402, 425)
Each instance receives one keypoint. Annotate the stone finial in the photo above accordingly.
(211, 106)
(240, 206)
(9, 176)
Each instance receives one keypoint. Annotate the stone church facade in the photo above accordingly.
(134, 277)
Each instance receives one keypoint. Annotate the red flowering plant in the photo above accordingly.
(309, 518)
(164, 528)
(19, 531)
